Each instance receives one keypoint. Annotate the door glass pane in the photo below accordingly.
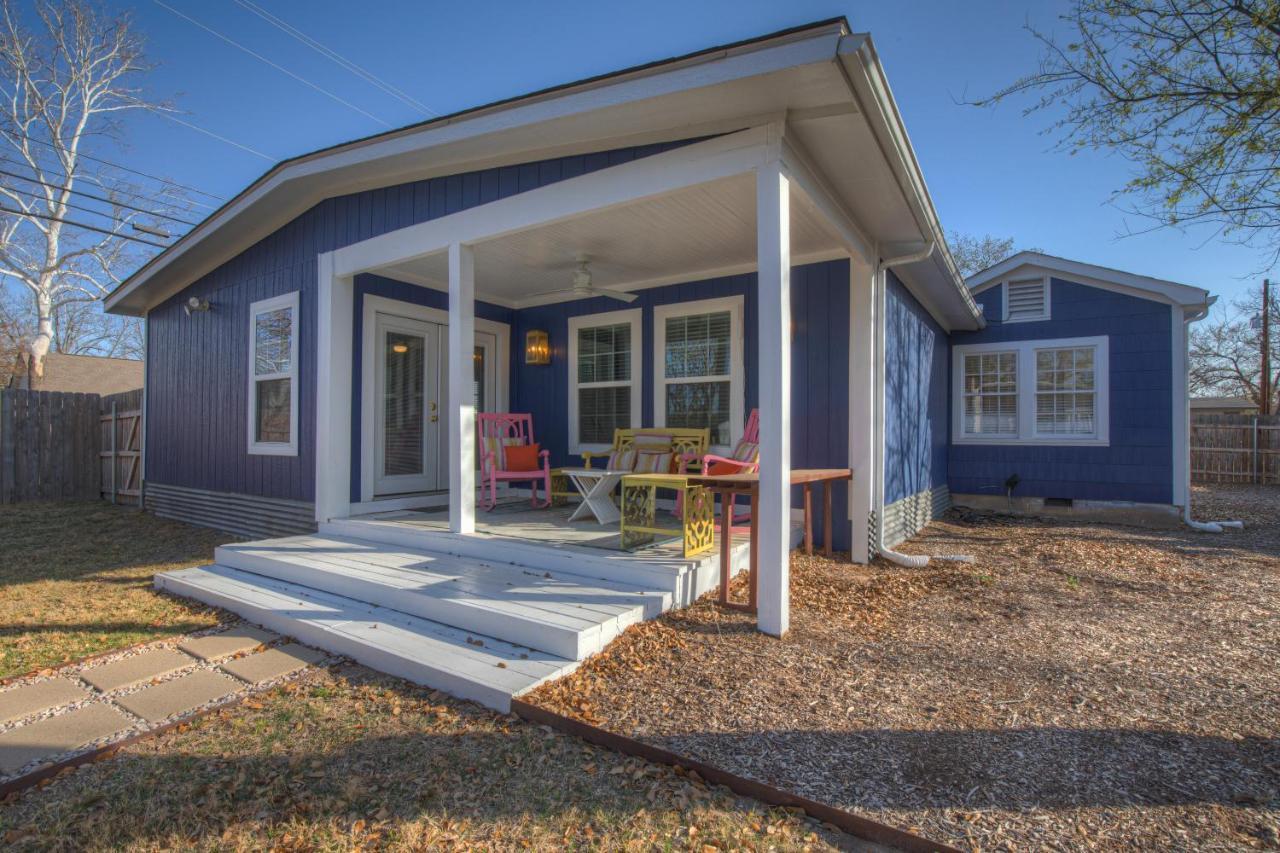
(403, 406)
(478, 389)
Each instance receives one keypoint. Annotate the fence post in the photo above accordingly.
(1255, 449)
(114, 461)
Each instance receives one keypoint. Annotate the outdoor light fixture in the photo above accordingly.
(400, 348)
(195, 303)
(537, 347)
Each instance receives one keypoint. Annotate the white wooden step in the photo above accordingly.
(567, 616)
(465, 664)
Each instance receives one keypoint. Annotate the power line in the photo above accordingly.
(72, 205)
(339, 59)
(165, 197)
(114, 165)
(274, 65)
(210, 133)
(83, 225)
(100, 198)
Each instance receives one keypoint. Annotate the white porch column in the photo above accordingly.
(462, 410)
(335, 304)
(862, 410)
(773, 256)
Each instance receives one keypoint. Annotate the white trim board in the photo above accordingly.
(737, 346)
(1026, 392)
(1095, 276)
(635, 318)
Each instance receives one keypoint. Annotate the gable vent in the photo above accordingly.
(1026, 300)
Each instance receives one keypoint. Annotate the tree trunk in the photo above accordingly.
(39, 345)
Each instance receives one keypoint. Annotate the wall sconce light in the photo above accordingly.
(195, 303)
(537, 347)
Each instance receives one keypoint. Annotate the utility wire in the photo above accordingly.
(164, 196)
(72, 205)
(274, 65)
(114, 165)
(210, 133)
(337, 58)
(83, 225)
(99, 198)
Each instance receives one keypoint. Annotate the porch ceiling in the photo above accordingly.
(699, 232)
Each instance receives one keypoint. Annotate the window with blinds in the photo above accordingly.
(1066, 392)
(991, 394)
(603, 372)
(697, 358)
(1026, 299)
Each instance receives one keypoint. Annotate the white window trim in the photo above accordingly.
(274, 448)
(1026, 373)
(1048, 298)
(632, 316)
(737, 382)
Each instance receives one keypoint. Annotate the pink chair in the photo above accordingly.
(743, 459)
(498, 431)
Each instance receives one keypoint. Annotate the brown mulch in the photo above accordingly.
(1077, 686)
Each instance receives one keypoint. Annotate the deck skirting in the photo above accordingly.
(907, 517)
(244, 515)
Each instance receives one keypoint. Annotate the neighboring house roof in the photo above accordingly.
(85, 374)
(1195, 300)
(1222, 403)
(824, 81)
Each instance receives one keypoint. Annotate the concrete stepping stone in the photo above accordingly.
(34, 698)
(135, 669)
(215, 646)
(183, 694)
(56, 735)
(273, 663)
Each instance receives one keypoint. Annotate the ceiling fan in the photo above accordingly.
(583, 288)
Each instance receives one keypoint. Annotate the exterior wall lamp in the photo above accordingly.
(537, 347)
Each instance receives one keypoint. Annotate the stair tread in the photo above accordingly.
(431, 645)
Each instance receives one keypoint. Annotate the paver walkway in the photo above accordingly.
(96, 704)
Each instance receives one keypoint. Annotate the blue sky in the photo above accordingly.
(989, 170)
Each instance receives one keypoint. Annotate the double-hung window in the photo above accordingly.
(1032, 392)
(273, 376)
(698, 367)
(604, 377)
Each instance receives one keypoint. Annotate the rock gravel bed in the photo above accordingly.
(1078, 686)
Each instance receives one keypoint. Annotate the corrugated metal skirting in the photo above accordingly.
(244, 515)
(907, 517)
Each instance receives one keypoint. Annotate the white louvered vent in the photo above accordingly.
(1027, 299)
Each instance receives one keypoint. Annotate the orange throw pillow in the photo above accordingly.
(523, 457)
(720, 469)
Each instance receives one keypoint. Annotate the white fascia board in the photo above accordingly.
(690, 165)
(1090, 274)
(698, 72)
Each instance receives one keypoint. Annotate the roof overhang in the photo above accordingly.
(1195, 301)
(826, 84)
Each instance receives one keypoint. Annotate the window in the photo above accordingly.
(273, 376)
(991, 393)
(698, 367)
(1026, 299)
(604, 377)
(1032, 392)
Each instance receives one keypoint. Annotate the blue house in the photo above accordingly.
(744, 228)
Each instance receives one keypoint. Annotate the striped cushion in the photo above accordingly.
(746, 451)
(621, 460)
(650, 462)
(652, 442)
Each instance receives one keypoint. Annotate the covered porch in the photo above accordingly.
(751, 200)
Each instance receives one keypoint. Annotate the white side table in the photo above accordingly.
(596, 486)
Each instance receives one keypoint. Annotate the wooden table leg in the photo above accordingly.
(754, 567)
(808, 519)
(826, 517)
(726, 545)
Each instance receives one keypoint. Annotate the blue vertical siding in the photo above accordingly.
(1138, 463)
(916, 369)
(197, 382)
(819, 371)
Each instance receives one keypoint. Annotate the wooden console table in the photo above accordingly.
(730, 485)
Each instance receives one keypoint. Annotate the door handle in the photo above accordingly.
(435, 418)
(433, 405)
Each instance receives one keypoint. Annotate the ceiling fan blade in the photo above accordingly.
(615, 294)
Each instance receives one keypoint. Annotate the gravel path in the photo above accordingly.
(1078, 686)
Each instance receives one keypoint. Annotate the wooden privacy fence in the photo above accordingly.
(1235, 449)
(63, 446)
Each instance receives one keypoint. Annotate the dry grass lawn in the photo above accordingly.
(1078, 686)
(354, 760)
(75, 580)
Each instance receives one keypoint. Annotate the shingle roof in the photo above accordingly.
(86, 374)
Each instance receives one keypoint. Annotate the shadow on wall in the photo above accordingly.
(915, 398)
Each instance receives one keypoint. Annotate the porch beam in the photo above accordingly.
(773, 512)
(462, 410)
(657, 175)
(809, 178)
(335, 304)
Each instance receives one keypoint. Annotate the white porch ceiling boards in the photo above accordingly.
(695, 233)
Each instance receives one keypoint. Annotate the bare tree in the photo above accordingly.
(974, 254)
(1226, 352)
(1187, 91)
(60, 86)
